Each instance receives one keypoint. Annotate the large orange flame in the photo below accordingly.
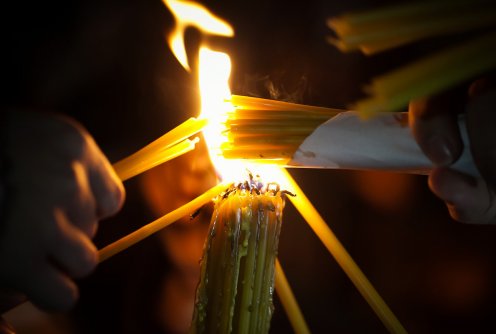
(214, 69)
(191, 14)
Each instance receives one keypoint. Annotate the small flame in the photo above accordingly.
(191, 14)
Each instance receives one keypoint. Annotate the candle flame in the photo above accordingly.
(214, 69)
(190, 14)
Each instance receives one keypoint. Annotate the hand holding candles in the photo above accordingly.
(434, 120)
(58, 185)
(469, 199)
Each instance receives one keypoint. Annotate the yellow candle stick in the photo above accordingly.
(431, 75)
(380, 29)
(160, 223)
(128, 169)
(289, 302)
(337, 250)
(246, 102)
(167, 147)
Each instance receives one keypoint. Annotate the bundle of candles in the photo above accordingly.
(237, 269)
(171, 145)
(268, 130)
(382, 29)
(296, 135)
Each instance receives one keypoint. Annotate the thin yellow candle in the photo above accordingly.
(289, 302)
(129, 170)
(160, 223)
(160, 150)
(259, 103)
(337, 250)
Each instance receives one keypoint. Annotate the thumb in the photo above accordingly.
(481, 127)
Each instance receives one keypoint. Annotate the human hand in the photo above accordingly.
(435, 127)
(59, 184)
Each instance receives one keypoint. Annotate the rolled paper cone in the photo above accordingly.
(383, 142)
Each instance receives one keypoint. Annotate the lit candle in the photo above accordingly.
(238, 265)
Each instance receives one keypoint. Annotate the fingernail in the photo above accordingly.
(440, 151)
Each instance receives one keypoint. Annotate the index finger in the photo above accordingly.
(106, 186)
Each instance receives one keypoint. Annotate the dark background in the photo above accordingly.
(106, 63)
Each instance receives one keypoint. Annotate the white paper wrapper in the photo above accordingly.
(382, 143)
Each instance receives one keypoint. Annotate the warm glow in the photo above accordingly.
(190, 14)
(213, 76)
(214, 69)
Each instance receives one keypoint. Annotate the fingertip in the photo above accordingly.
(111, 202)
(468, 199)
(120, 195)
(107, 188)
